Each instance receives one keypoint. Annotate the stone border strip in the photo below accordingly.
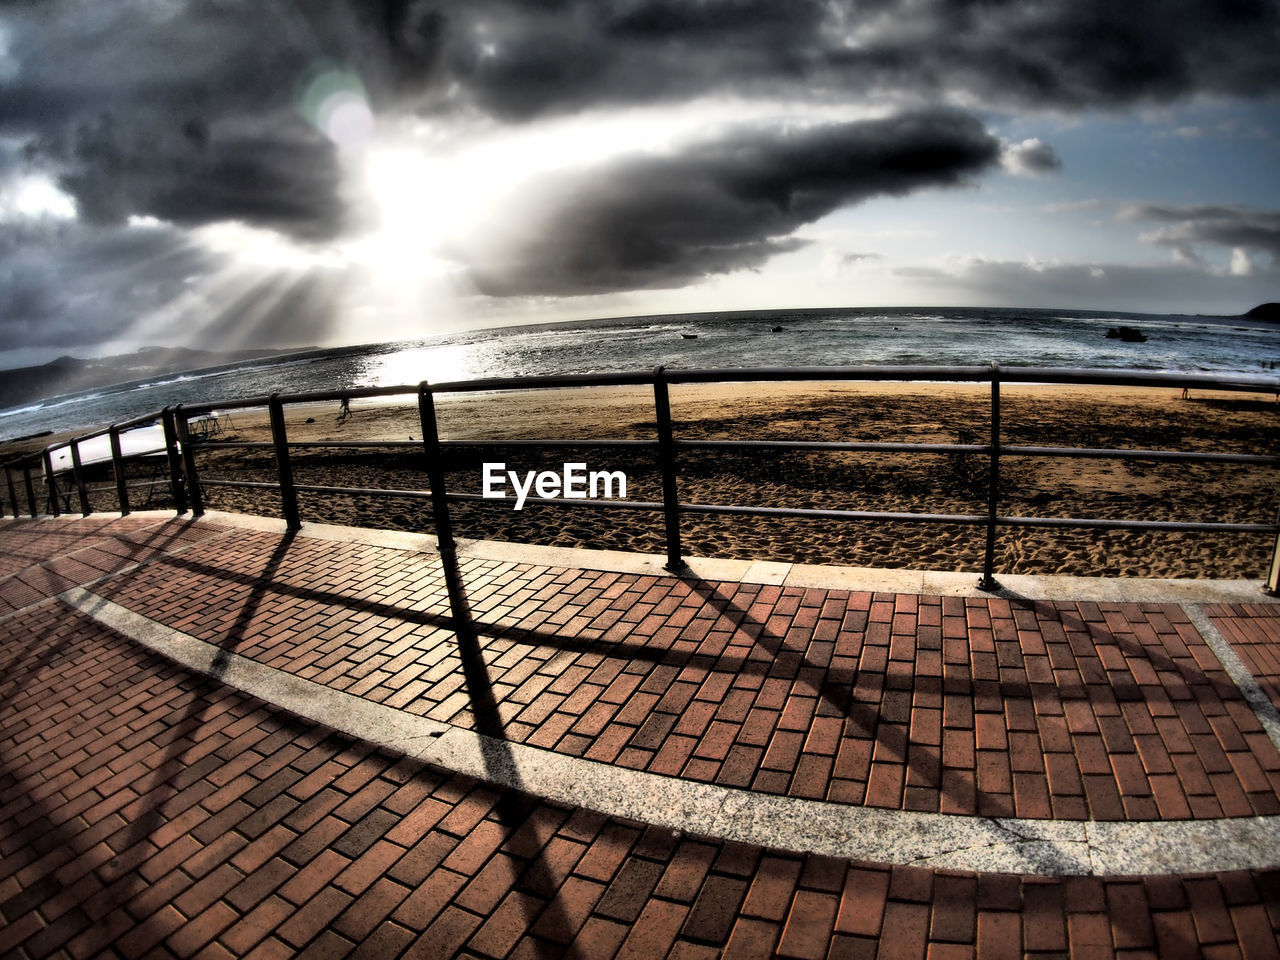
(870, 579)
(940, 841)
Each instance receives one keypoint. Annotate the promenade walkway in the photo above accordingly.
(221, 739)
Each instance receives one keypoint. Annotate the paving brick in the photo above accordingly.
(684, 874)
(910, 925)
(446, 935)
(598, 938)
(1209, 911)
(256, 925)
(654, 931)
(1131, 919)
(863, 901)
(423, 857)
(574, 900)
(506, 924)
(489, 884)
(752, 940)
(999, 935)
(607, 852)
(711, 919)
(953, 917)
(313, 877)
(808, 925)
(769, 895)
(630, 890)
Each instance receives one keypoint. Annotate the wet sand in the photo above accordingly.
(939, 484)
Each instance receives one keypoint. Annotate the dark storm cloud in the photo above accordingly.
(1187, 227)
(728, 204)
(518, 59)
(275, 178)
(71, 287)
(188, 111)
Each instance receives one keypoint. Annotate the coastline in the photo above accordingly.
(1082, 416)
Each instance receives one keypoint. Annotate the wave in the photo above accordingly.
(53, 403)
(15, 411)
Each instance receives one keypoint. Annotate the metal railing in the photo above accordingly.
(186, 486)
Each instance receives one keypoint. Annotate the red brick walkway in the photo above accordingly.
(147, 811)
(40, 558)
(977, 706)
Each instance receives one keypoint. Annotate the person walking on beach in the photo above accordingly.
(346, 409)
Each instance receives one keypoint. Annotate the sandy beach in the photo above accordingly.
(948, 484)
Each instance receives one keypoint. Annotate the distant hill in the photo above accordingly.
(70, 374)
(1265, 311)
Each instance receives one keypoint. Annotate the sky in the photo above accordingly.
(279, 173)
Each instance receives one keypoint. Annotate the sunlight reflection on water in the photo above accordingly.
(436, 364)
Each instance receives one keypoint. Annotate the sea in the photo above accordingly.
(811, 337)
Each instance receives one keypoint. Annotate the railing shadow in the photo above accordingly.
(836, 697)
(512, 807)
(499, 760)
(134, 553)
(45, 832)
(839, 698)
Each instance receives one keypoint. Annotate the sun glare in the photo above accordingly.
(416, 203)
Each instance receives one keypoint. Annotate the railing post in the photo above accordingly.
(288, 495)
(51, 485)
(1272, 586)
(77, 469)
(988, 580)
(117, 463)
(31, 490)
(13, 491)
(177, 488)
(445, 543)
(196, 498)
(667, 465)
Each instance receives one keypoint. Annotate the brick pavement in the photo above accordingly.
(975, 706)
(146, 811)
(41, 558)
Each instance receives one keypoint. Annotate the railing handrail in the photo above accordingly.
(186, 486)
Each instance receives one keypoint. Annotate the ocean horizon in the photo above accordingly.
(739, 339)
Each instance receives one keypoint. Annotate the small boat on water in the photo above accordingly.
(689, 336)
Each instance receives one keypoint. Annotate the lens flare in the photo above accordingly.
(334, 102)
